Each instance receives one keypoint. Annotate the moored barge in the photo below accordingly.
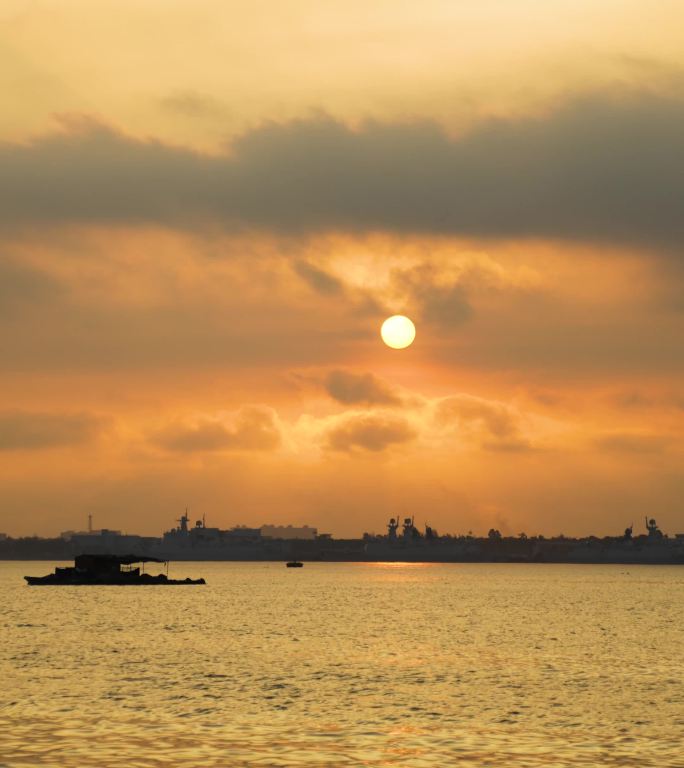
(100, 570)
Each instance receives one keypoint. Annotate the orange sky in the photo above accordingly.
(207, 210)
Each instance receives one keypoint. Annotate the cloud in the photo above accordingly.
(552, 333)
(141, 300)
(633, 442)
(637, 400)
(360, 388)
(602, 167)
(21, 285)
(444, 304)
(369, 431)
(496, 425)
(318, 279)
(137, 300)
(253, 428)
(23, 430)
(330, 286)
(194, 105)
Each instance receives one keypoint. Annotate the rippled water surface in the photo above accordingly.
(347, 665)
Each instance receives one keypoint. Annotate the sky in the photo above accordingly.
(208, 209)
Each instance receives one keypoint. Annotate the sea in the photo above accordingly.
(350, 664)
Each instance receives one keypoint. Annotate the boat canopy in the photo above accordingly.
(118, 559)
(129, 559)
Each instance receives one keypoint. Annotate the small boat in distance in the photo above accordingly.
(294, 564)
(99, 570)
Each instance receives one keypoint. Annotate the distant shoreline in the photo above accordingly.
(46, 559)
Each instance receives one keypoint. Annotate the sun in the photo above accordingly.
(398, 332)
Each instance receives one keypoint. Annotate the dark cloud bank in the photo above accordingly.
(598, 168)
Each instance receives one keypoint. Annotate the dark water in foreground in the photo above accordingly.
(347, 665)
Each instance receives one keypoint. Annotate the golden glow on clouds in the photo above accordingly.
(159, 341)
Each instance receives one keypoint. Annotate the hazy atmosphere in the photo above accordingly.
(207, 213)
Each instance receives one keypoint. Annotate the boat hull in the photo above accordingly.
(51, 580)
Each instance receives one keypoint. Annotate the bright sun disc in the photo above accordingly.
(398, 332)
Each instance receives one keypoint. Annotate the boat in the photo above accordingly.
(294, 564)
(99, 570)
